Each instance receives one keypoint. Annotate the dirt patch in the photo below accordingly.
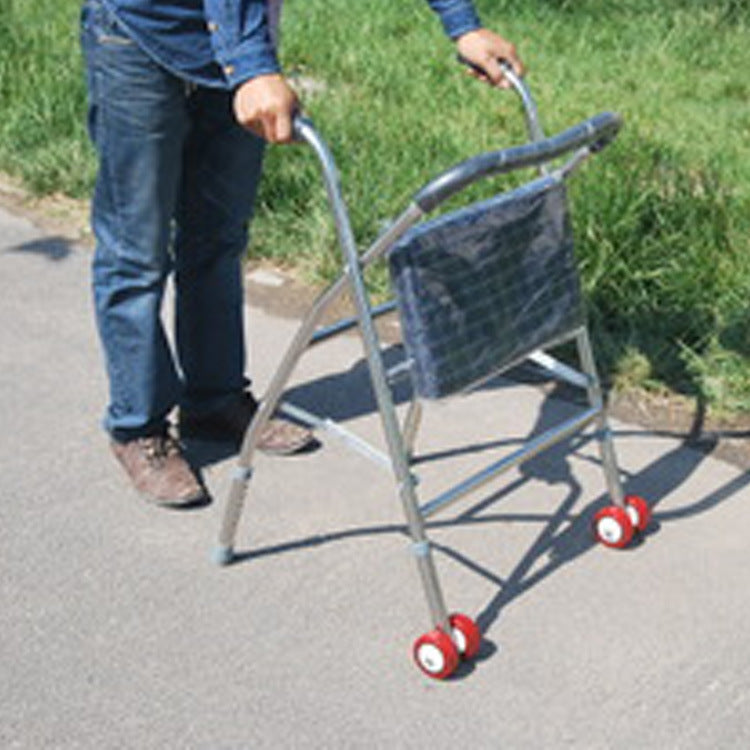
(59, 215)
(724, 437)
(280, 293)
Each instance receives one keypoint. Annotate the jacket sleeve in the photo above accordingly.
(241, 38)
(457, 16)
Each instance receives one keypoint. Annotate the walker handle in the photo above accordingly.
(519, 85)
(300, 127)
(504, 64)
(594, 134)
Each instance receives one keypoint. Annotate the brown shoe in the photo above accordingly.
(279, 437)
(160, 472)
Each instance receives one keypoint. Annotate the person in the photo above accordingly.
(182, 97)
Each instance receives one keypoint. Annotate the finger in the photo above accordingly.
(255, 129)
(254, 125)
(493, 70)
(247, 120)
(284, 127)
(476, 75)
(269, 127)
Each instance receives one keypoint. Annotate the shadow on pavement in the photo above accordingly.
(51, 248)
(564, 535)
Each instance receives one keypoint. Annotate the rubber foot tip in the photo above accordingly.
(222, 555)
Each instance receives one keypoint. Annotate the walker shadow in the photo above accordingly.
(348, 394)
(564, 535)
(341, 396)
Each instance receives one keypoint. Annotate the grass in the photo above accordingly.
(42, 98)
(662, 216)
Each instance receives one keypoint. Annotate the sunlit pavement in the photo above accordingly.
(117, 630)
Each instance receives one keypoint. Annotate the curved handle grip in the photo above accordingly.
(302, 128)
(594, 133)
(519, 85)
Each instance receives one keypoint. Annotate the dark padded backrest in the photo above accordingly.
(480, 287)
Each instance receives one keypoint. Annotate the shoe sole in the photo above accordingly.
(197, 501)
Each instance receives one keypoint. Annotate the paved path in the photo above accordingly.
(117, 632)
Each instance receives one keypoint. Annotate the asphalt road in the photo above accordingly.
(116, 630)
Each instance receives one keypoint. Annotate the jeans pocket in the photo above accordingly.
(98, 21)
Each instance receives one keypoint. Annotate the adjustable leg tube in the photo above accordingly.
(411, 426)
(604, 434)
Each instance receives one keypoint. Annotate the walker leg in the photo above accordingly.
(422, 552)
(616, 524)
(438, 652)
(438, 648)
(604, 434)
(223, 553)
(411, 426)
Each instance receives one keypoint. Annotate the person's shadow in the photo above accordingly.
(51, 248)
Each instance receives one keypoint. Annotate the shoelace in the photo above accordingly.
(158, 448)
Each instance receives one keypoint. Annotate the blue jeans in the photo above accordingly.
(174, 194)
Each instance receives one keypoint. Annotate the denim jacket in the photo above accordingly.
(221, 43)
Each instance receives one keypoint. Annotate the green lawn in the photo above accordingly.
(662, 216)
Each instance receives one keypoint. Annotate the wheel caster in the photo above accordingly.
(466, 635)
(435, 654)
(638, 512)
(613, 527)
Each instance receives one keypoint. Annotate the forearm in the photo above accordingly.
(479, 46)
(457, 16)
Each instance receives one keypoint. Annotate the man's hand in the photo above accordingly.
(266, 105)
(484, 48)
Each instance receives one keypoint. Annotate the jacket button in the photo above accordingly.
(228, 70)
(212, 26)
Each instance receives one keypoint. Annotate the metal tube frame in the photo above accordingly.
(533, 124)
(530, 449)
(383, 397)
(604, 433)
(400, 439)
(224, 551)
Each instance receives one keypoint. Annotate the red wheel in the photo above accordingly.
(638, 511)
(435, 654)
(613, 527)
(466, 635)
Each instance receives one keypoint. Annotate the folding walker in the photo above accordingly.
(478, 290)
